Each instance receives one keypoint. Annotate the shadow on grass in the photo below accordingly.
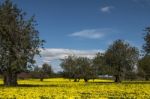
(136, 82)
(30, 85)
(102, 82)
(125, 82)
(56, 85)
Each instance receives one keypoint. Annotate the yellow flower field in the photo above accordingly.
(64, 89)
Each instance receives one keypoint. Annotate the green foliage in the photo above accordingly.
(146, 46)
(19, 40)
(99, 64)
(122, 58)
(45, 71)
(84, 68)
(69, 66)
(144, 62)
(77, 68)
(144, 67)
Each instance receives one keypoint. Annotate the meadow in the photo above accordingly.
(59, 88)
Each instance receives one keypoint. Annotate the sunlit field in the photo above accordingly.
(64, 89)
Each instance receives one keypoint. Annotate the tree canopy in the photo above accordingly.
(122, 58)
(77, 68)
(146, 46)
(144, 62)
(19, 42)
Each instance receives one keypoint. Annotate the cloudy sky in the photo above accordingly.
(85, 27)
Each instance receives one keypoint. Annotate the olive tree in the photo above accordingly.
(68, 65)
(122, 58)
(78, 68)
(19, 42)
(45, 71)
(99, 64)
(144, 67)
(85, 68)
(146, 46)
(144, 62)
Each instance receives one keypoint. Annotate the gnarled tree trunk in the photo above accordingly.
(117, 79)
(75, 80)
(41, 79)
(10, 79)
(85, 79)
(146, 77)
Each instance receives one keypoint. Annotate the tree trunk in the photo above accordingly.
(75, 80)
(41, 79)
(69, 79)
(85, 79)
(146, 77)
(10, 79)
(117, 79)
(93, 79)
(78, 79)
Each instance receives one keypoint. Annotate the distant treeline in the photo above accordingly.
(120, 60)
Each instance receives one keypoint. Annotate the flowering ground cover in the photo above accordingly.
(59, 88)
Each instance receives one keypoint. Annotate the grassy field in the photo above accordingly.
(64, 89)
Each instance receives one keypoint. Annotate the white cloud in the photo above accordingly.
(50, 54)
(91, 33)
(53, 56)
(106, 9)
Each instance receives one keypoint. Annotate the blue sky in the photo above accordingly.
(86, 26)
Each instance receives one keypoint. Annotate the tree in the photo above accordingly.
(85, 69)
(69, 67)
(146, 46)
(122, 58)
(77, 68)
(35, 73)
(45, 71)
(144, 67)
(99, 64)
(144, 62)
(19, 42)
